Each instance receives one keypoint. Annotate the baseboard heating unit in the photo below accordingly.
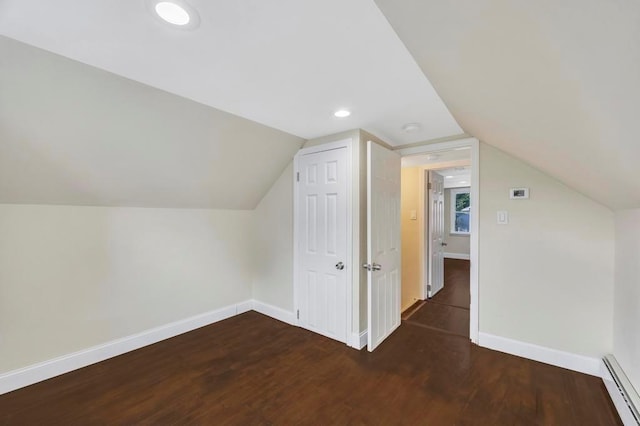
(622, 392)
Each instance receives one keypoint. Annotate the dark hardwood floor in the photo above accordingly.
(253, 370)
(448, 310)
(444, 318)
(456, 291)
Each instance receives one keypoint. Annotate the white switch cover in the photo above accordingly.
(414, 215)
(503, 217)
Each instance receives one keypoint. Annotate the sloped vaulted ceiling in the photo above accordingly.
(556, 83)
(73, 134)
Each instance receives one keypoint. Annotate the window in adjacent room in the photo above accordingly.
(460, 210)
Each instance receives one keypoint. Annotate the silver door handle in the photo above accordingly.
(370, 267)
(339, 266)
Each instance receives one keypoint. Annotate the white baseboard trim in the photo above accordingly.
(35, 373)
(460, 256)
(570, 361)
(616, 396)
(243, 307)
(274, 312)
(358, 340)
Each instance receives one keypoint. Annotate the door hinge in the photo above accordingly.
(428, 287)
(429, 185)
(297, 176)
(298, 314)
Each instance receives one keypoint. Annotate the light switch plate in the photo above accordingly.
(503, 217)
(414, 215)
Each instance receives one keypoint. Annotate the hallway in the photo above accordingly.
(448, 310)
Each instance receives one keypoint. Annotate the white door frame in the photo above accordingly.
(474, 145)
(423, 219)
(352, 260)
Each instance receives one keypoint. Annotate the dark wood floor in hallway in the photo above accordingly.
(448, 310)
(253, 370)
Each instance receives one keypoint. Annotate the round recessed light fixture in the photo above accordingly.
(411, 127)
(342, 113)
(172, 13)
(463, 181)
(449, 177)
(177, 13)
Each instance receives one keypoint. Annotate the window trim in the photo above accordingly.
(452, 210)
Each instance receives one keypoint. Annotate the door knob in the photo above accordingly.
(339, 266)
(444, 244)
(372, 267)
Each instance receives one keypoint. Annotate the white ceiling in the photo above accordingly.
(458, 156)
(456, 177)
(555, 83)
(76, 135)
(287, 64)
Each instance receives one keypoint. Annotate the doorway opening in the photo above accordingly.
(439, 238)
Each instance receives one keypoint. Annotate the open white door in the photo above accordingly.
(436, 234)
(383, 243)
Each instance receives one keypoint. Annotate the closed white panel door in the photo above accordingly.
(383, 243)
(322, 209)
(436, 234)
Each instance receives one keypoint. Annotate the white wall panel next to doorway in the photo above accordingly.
(546, 278)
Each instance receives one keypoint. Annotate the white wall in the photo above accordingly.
(74, 277)
(547, 277)
(458, 244)
(76, 135)
(273, 244)
(626, 322)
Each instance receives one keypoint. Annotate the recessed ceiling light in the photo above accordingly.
(178, 13)
(463, 181)
(342, 113)
(172, 13)
(411, 127)
(448, 177)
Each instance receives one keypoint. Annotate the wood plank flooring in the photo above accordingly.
(253, 370)
(444, 318)
(456, 291)
(448, 310)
